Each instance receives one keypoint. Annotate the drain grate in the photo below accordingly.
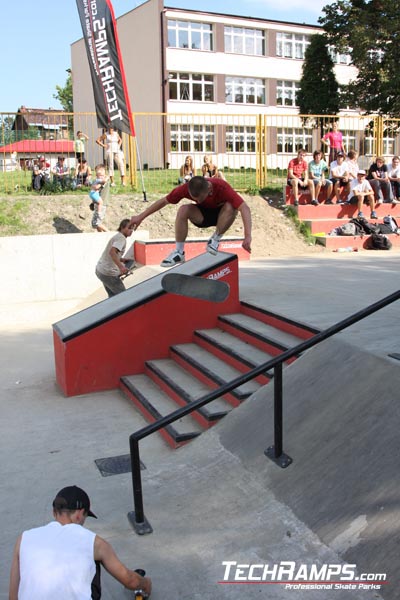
(115, 465)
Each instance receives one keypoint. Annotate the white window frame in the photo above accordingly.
(192, 138)
(177, 29)
(245, 87)
(243, 40)
(185, 82)
(240, 138)
(292, 45)
(287, 90)
(291, 139)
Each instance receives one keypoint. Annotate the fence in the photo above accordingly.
(252, 150)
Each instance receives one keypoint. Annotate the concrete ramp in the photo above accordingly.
(341, 427)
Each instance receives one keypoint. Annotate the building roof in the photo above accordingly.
(40, 117)
(32, 147)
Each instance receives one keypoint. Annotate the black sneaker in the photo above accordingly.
(175, 258)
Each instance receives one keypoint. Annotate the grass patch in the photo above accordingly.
(13, 216)
(303, 229)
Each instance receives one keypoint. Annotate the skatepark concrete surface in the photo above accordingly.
(219, 498)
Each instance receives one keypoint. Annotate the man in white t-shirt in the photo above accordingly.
(339, 176)
(361, 192)
(58, 560)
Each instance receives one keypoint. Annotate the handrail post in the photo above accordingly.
(136, 517)
(275, 452)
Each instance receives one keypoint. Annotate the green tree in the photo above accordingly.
(368, 30)
(64, 95)
(319, 90)
(7, 135)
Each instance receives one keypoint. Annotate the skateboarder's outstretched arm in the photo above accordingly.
(155, 207)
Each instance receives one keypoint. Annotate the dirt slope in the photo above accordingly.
(273, 233)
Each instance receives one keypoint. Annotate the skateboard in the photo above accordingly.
(131, 266)
(195, 287)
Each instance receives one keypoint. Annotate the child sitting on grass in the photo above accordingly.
(97, 204)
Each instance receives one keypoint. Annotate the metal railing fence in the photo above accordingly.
(252, 150)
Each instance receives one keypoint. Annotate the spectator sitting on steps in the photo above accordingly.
(316, 172)
(361, 192)
(339, 176)
(298, 177)
(379, 180)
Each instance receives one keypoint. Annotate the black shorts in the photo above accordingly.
(210, 216)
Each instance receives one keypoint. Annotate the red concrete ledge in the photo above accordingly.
(152, 252)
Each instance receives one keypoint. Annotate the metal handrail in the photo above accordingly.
(275, 452)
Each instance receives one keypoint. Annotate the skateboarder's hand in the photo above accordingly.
(246, 244)
(135, 222)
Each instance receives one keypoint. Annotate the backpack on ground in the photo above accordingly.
(379, 241)
(365, 226)
(391, 222)
(347, 229)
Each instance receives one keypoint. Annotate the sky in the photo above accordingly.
(35, 45)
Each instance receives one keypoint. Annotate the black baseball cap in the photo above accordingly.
(73, 498)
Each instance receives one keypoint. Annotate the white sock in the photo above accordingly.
(180, 246)
(216, 236)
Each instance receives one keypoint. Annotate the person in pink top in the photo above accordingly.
(334, 139)
(298, 177)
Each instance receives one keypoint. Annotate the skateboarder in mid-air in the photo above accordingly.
(215, 203)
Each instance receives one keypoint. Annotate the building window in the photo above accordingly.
(192, 138)
(286, 92)
(349, 139)
(291, 45)
(339, 59)
(240, 139)
(244, 90)
(239, 40)
(369, 145)
(185, 34)
(191, 87)
(290, 140)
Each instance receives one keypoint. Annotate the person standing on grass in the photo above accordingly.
(334, 139)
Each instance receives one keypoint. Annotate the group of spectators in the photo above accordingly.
(81, 176)
(208, 169)
(343, 181)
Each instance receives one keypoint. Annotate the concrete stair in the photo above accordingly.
(215, 356)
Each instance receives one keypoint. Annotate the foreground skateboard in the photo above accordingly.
(195, 287)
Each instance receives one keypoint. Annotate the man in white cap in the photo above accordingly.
(58, 559)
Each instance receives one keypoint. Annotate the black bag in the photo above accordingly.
(380, 242)
(365, 226)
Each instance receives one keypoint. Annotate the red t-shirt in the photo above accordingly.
(298, 167)
(221, 192)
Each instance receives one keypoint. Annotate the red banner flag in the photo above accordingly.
(104, 55)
